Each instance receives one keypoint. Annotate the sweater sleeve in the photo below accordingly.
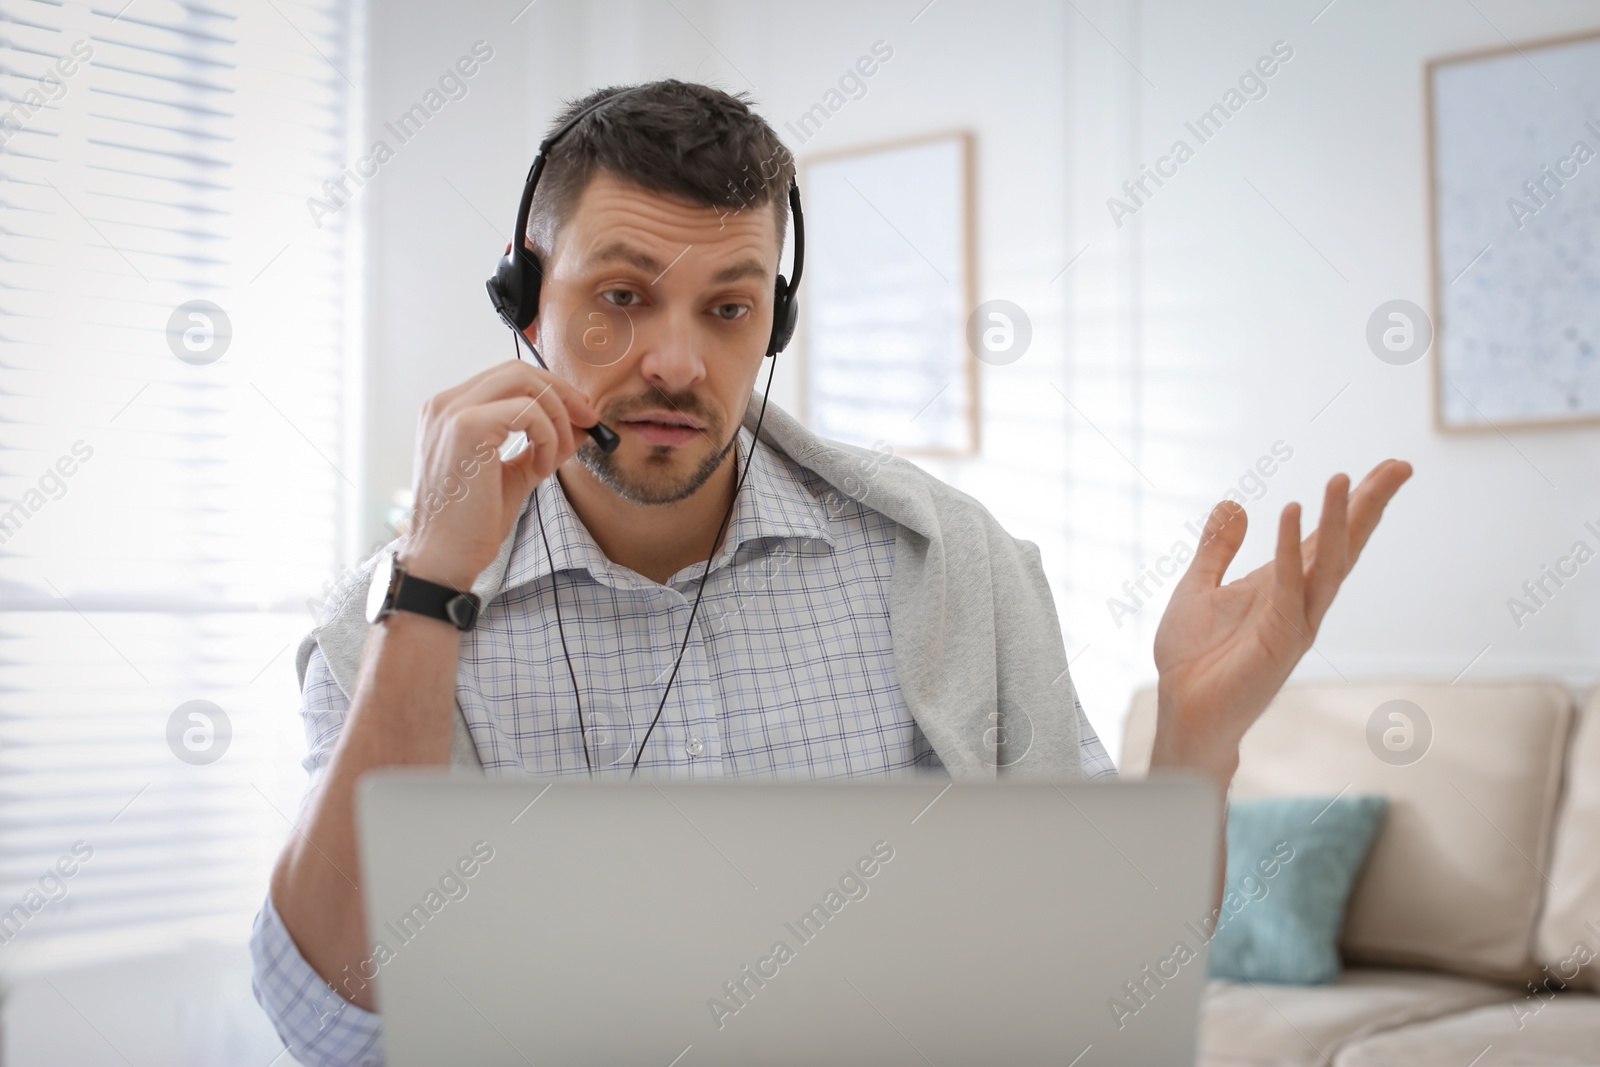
(1034, 685)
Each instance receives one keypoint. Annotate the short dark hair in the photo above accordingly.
(679, 138)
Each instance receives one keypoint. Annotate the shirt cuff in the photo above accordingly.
(320, 1028)
(1094, 762)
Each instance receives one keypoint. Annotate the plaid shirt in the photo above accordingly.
(789, 670)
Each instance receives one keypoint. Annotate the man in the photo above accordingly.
(859, 617)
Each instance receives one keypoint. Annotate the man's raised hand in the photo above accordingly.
(467, 497)
(1224, 651)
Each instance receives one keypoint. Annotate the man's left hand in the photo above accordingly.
(1223, 651)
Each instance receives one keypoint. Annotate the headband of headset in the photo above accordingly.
(514, 287)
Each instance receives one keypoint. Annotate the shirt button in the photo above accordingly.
(694, 746)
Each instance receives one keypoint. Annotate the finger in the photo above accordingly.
(561, 419)
(1363, 517)
(1370, 499)
(515, 378)
(533, 462)
(1329, 563)
(1288, 579)
(544, 441)
(520, 478)
(1308, 548)
(537, 422)
(1220, 542)
(497, 420)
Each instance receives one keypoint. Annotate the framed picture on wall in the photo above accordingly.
(889, 283)
(1514, 171)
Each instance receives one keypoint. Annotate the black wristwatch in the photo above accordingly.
(393, 589)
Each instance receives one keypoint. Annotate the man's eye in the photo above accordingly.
(623, 298)
(731, 311)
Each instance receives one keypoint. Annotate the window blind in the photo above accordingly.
(176, 464)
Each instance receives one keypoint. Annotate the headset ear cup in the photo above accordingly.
(514, 289)
(528, 307)
(785, 316)
(500, 290)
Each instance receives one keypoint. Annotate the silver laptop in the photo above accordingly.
(527, 921)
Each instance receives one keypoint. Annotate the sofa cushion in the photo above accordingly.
(1564, 1032)
(1291, 861)
(1453, 880)
(1568, 942)
(1244, 1024)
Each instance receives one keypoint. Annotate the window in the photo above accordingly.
(176, 465)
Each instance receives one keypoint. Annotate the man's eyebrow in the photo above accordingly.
(745, 268)
(620, 252)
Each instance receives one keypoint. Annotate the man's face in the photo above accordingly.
(660, 310)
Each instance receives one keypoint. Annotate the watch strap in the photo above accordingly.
(422, 597)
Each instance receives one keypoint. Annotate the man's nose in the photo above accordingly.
(671, 360)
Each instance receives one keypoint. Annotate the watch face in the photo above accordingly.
(378, 591)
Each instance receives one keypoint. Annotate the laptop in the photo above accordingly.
(893, 923)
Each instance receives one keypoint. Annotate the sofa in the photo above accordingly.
(1471, 936)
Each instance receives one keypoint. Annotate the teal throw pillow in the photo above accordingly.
(1291, 861)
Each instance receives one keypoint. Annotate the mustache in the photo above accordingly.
(689, 404)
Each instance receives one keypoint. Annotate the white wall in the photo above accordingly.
(1250, 330)
(1188, 342)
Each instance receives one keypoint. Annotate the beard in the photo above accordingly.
(654, 482)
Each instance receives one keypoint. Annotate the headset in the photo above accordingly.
(514, 292)
(514, 286)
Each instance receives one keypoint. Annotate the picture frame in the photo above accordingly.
(1516, 310)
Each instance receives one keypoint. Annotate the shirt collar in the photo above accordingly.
(776, 502)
